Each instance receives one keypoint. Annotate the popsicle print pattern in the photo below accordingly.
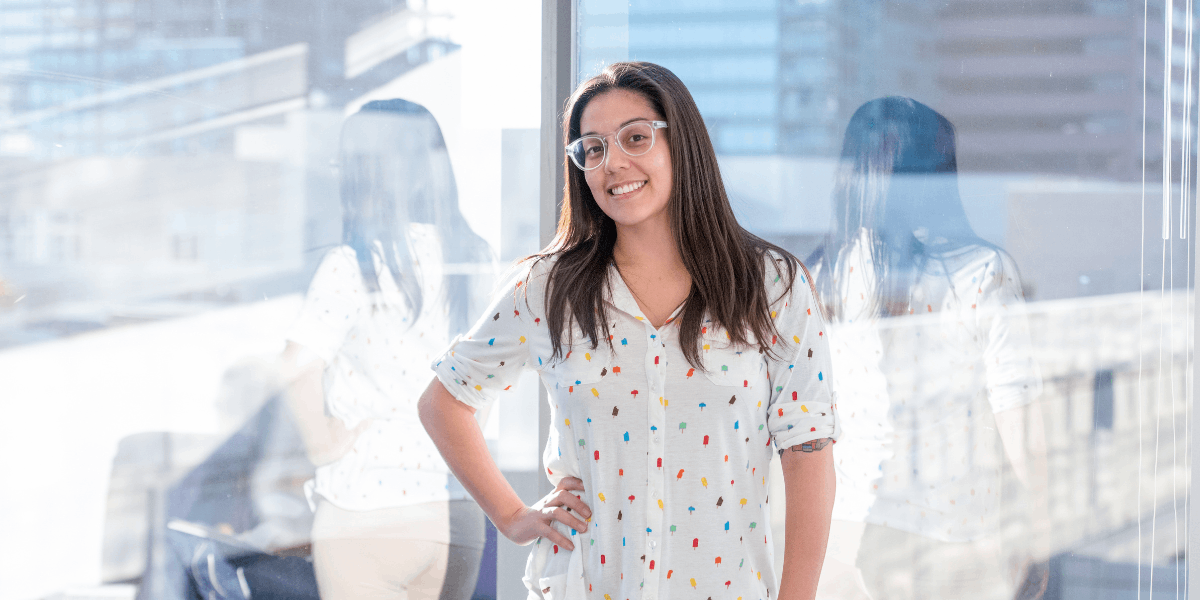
(375, 362)
(673, 456)
(963, 353)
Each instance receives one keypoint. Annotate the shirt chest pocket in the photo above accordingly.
(727, 365)
(583, 365)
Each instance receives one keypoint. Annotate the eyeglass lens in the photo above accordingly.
(635, 139)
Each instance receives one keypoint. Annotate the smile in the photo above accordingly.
(627, 188)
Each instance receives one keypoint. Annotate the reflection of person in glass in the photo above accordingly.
(391, 522)
(931, 362)
(675, 347)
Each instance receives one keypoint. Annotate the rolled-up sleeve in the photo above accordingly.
(803, 405)
(490, 358)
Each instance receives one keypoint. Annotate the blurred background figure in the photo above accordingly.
(390, 522)
(935, 377)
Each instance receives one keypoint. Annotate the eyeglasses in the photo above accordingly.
(634, 139)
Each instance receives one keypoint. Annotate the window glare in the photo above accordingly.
(175, 175)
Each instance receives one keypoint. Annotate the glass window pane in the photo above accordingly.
(233, 237)
(996, 204)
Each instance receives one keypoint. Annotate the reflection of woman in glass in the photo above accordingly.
(675, 348)
(391, 522)
(931, 362)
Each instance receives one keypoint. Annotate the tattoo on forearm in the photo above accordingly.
(813, 446)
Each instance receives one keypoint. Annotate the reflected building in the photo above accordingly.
(60, 52)
(728, 53)
(1048, 87)
(771, 77)
(1056, 87)
(220, 116)
(835, 55)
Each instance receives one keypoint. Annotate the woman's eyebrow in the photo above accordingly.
(633, 120)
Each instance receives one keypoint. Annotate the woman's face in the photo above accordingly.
(631, 190)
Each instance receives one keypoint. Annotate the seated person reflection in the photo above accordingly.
(391, 522)
(933, 371)
(675, 348)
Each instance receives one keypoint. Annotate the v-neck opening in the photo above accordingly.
(622, 298)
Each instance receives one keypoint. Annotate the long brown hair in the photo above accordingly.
(898, 174)
(724, 260)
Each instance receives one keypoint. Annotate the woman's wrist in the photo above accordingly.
(506, 513)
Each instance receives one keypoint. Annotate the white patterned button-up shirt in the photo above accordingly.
(375, 368)
(673, 457)
(920, 391)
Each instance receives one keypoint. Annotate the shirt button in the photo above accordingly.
(656, 439)
(653, 543)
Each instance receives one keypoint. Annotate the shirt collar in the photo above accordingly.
(618, 295)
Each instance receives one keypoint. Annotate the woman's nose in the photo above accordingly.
(615, 159)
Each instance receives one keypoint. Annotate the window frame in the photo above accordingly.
(559, 48)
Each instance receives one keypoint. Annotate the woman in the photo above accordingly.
(932, 361)
(390, 520)
(675, 347)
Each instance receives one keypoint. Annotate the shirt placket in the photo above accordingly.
(656, 370)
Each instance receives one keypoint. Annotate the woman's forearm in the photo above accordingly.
(809, 484)
(452, 426)
(1023, 434)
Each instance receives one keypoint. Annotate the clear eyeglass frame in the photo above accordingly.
(575, 150)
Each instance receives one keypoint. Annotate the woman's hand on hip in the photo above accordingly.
(562, 505)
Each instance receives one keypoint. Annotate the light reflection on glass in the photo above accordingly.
(166, 200)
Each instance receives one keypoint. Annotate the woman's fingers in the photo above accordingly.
(575, 503)
(570, 483)
(569, 520)
(558, 506)
(558, 538)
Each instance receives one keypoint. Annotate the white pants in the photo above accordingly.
(425, 551)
